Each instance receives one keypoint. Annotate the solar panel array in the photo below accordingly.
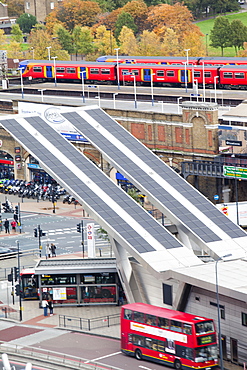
(122, 217)
(141, 166)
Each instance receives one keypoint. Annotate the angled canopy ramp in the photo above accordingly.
(125, 221)
(200, 224)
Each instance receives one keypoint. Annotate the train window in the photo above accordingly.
(207, 74)
(227, 74)
(170, 73)
(94, 71)
(60, 69)
(135, 72)
(37, 69)
(125, 72)
(70, 70)
(197, 74)
(160, 73)
(105, 71)
(239, 75)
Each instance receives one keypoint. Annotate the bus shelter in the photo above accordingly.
(75, 281)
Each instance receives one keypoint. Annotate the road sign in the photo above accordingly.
(234, 142)
(236, 172)
(216, 197)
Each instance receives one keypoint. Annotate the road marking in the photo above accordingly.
(62, 237)
(100, 358)
(144, 367)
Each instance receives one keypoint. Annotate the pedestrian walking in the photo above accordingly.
(53, 250)
(45, 307)
(6, 226)
(13, 225)
(50, 305)
(47, 251)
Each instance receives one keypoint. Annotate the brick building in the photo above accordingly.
(40, 9)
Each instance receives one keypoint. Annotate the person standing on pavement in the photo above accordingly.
(6, 226)
(47, 251)
(53, 250)
(13, 225)
(50, 305)
(45, 306)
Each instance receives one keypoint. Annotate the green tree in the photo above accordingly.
(124, 19)
(26, 22)
(220, 35)
(128, 43)
(40, 39)
(16, 33)
(238, 34)
(83, 40)
(65, 39)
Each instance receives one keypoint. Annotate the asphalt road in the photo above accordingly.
(60, 230)
(77, 347)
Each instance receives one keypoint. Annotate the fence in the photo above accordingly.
(88, 324)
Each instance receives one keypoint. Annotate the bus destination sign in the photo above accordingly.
(206, 339)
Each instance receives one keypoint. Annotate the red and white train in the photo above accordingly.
(228, 76)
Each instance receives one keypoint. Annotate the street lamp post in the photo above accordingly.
(19, 278)
(206, 44)
(178, 103)
(22, 89)
(187, 62)
(83, 86)
(49, 52)
(134, 76)
(218, 309)
(118, 84)
(185, 77)
(152, 88)
(236, 189)
(55, 73)
(32, 52)
(215, 98)
(114, 100)
(42, 94)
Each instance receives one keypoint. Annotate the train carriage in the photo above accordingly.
(147, 60)
(222, 61)
(166, 75)
(68, 71)
(233, 77)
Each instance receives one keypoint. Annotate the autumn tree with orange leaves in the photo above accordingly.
(71, 13)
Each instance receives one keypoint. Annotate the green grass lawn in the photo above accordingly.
(206, 26)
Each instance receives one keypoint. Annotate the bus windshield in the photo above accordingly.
(208, 353)
(204, 327)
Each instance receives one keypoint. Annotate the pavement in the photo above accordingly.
(32, 315)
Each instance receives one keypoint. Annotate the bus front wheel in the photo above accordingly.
(138, 354)
(177, 365)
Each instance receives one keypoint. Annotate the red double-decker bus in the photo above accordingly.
(168, 337)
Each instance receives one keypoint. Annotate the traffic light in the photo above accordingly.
(41, 233)
(16, 210)
(17, 290)
(10, 276)
(35, 232)
(16, 273)
(79, 228)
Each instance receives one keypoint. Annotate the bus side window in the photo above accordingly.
(150, 320)
(138, 317)
(127, 314)
(187, 329)
(163, 323)
(176, 326)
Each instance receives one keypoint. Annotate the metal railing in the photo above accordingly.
(80, 323)
(51, 359)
